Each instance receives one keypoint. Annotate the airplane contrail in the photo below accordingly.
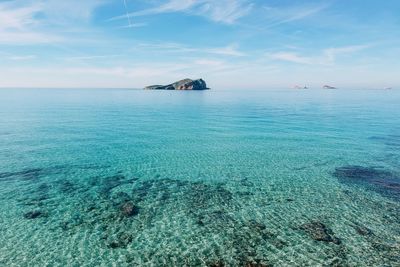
(127, 14)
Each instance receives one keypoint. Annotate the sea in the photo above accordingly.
(127, 177)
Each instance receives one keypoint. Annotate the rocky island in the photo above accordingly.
(185, 84)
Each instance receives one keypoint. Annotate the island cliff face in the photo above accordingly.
(185, 84)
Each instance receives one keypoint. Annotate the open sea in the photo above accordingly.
(118, 177)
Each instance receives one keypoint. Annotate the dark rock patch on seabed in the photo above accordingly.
(120, 240)
(362, 230)
(123, 208)
(257, 263)
(252, 263)
(36, 195)
(33, 174)
(391, 140)
(122, 212)
(216, 263)
(27, 174)
(360, 172)
(67, 187)
(126, 214)
(219, 219)
(34, 214)
(107, 184)
(128, 209)
(203, 196)
(320, 232)
(377, 179)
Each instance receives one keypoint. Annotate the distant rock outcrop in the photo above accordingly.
(185, 84)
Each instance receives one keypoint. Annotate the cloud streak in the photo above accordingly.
(278, 16)
(229, 50)
(37, 22)
(222, 11)
(327, 56)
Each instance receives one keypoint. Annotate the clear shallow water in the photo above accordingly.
(213, 178)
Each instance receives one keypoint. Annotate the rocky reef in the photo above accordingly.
(185, 84)
(156, 220)
(320, 232)
(377, 179)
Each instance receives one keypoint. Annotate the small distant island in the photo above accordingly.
(328, 87)
(185, 84)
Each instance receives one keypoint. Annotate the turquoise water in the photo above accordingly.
(213, 178)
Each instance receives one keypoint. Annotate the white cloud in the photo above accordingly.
(31, 22)
(219, 74)
(169, 6)
(291, 57)
(134, 25)
(209, 62)
(229, 50)
(17, 18)
(223, 11)
(91, 57)
(330, 54)
(69, 11)
(18, 58)
(27, 37)
(327, 56)
(14, 57)
(15, 22)
(137, 76)
(277, 16)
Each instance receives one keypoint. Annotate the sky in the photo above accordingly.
(232, 44)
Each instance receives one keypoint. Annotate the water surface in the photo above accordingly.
(92, 177)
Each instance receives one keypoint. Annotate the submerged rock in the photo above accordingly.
(128, 209)
(362, 230)
(391, 140)
(218, 219)
(27, 174)
(185, 84)
(320, 232)
(360, 172)
(67, 187)
(256, 263)
(218, 263)
(120, 240)
(33, 214)
(380, 180)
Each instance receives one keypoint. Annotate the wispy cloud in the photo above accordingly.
(223, 11)
(168, 7)
(209, 62)
(17, 18)
(71, 11)
(94, 57)
(16, 22)
(20, 58)
(282, 15)
(327, 56)
(330, 54)
(31, 22)
(291, 57)
(14, 57)
(73, 42)
(134, 25)
(229, 50)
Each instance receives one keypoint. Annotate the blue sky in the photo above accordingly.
(230, 43)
